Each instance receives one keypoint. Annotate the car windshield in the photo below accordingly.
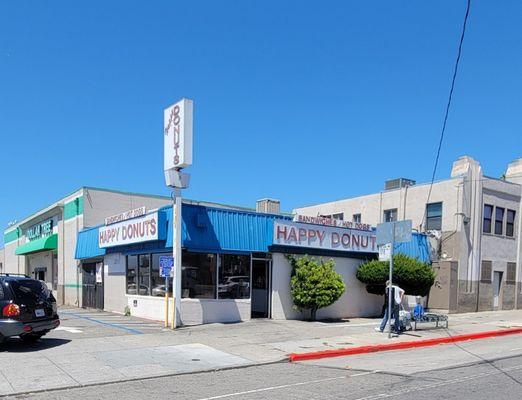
(30, 290)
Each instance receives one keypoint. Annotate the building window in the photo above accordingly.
(434, 217)
(158, 282)
(511, 275)
(198, 275)
(499, 220)
(234, 277)
(144, 274)
(356, 218)
(510, 223)
(485, 272)
(132, 274)
(338, 216)
(488, 214)
(390, 215)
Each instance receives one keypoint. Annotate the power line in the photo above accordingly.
(448, 105)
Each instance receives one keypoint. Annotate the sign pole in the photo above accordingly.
(176, 252)
(166, 302)
(391, 283)
(177, 151)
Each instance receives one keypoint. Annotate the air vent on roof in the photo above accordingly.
(268, 206)
(398, 183)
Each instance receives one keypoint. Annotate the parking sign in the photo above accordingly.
(166, 264)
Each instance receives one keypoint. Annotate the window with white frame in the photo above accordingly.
(488, 217)
(434, 217)
(510, 223)
(338, 216)
(390, 215)
(499, 221)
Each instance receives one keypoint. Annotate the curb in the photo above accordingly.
(400, 345)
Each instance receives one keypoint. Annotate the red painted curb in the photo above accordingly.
(400, 345)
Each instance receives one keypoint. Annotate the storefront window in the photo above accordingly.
(198, 275)
(157, 281)
(144, 274)
(132, 273)
(234, 277)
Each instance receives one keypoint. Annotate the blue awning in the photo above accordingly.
(204, 229)
(418, 247)
(87, 244)
(223, 230)
(219, 230)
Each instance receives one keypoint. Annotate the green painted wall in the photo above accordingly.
(11, 236)
(73, 208)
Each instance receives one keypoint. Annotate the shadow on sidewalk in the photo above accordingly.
(16, 345)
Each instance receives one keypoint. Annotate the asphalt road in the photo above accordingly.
(484, 369)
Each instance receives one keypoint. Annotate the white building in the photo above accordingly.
(474, 223)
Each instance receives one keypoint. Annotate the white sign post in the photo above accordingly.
(393, 232)
(177, 130)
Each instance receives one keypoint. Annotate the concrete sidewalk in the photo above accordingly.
(97, 347)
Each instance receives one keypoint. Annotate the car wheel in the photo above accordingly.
(31, 337)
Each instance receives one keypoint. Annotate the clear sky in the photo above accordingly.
(303, 101)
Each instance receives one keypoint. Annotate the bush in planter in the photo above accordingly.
(412, 275)
(314, 284)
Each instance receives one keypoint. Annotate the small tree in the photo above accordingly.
(314, 284)
(412, 275)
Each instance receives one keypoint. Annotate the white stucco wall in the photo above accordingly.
(355, 302)
(43, 259)
(114, 298)
(193, 311)
(409, 202)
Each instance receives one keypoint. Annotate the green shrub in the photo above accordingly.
(412, 275)
(314, 284)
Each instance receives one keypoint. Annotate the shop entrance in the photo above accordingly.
(92, 285)
(261, 285)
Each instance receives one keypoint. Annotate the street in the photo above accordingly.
(103, 355)
(496, 372)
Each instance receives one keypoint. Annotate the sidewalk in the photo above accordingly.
(269, 341)
(97, 347)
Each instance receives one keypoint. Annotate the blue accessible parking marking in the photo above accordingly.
(97, 321)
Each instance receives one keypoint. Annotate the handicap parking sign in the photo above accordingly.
(166, 263)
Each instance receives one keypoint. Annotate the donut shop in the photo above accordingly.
(234, 263)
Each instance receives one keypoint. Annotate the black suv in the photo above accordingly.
(27, 308)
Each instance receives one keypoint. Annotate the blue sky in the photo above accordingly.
(298, 100)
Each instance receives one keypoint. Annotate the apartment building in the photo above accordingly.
(474, 224)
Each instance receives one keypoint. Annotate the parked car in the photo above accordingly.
(28, 308)
(131, 289)
(234, 286)
(159, 290)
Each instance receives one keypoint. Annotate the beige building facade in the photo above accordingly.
(43, 245)
(474, 225)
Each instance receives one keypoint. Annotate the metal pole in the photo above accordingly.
(391, 283)
(176, 252)
(166, 302)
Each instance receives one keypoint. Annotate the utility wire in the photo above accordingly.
(448, 105)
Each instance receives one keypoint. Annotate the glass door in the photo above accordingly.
(260, 288)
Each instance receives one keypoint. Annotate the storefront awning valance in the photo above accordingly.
(43, 244)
